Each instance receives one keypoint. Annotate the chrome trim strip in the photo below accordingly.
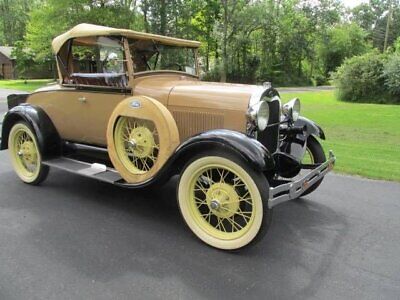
(295, 189)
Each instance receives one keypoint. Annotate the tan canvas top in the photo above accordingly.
(84, 30)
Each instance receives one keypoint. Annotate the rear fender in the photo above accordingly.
(48, 139)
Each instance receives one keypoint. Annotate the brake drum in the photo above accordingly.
(141, 136)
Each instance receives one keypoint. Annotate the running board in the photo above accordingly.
(96, 171)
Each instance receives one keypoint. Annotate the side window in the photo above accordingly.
(98, 61)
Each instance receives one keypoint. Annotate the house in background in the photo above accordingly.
(33, 69)
(7, 63)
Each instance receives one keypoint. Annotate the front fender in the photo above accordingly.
(311, 127)
(47, 136)
(251, 150)
(297, 146)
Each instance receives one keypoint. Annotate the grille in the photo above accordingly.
(270, 136)
(190, 123)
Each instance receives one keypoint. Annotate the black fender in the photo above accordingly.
(296, 145)
(48, 139)
(251, 150)
(311, 127)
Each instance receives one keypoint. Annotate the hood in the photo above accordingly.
(174, 90)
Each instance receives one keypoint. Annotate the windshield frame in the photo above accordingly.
(148, 72)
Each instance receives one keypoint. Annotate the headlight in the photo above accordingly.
(258, 114)
(292, 109)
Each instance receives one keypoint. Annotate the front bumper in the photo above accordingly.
(292, 190)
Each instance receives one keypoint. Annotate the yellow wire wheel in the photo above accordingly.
(25, 154)
(137, 144)
(220, 202)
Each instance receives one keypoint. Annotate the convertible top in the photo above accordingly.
(85, 30)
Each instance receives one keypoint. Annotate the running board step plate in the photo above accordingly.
(95, 171)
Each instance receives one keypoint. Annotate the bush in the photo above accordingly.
(361, 79)
(319, 79)
(392, 76)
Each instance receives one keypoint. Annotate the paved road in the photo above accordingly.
(74, 238)
(305, 89)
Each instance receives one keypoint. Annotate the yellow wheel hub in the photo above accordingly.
(222, 200)
(28, 152)
(137, 144)
(141, 141)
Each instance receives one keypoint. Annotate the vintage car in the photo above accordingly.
(129, 109)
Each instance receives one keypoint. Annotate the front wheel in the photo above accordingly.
(314, 155)
(25, 154)
(223, 201)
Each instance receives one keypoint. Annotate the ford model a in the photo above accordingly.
(129, 109)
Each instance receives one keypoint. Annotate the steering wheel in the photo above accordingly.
(180, 67)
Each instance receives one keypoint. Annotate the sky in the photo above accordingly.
(352, 3)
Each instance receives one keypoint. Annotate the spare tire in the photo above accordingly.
(141, 136)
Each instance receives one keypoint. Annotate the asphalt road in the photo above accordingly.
(75, 238)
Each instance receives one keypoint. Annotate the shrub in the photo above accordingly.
(361, 79)
(392, 76)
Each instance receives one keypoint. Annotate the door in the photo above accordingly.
(99, 81)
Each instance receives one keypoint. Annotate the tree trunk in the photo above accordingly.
(224, 42)
(163, 18)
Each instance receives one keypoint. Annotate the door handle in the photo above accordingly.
(82, 99)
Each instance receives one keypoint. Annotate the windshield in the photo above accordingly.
(150, 56)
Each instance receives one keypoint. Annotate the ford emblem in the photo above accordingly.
(135, 104)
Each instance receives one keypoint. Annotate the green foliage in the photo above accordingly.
(288, 42)
(373, 18)
(14, 14)
(396, 45)
(361, 79)
(24, 58)
(341, 42)
(54, 17)
(392, 76)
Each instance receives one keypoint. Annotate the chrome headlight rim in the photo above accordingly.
(258, 115)
(291, 109)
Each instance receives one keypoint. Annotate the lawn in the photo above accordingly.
(364, 137)
(22, 85)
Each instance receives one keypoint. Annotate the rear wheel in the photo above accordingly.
(223, 201)
(314, 155)
(25, 154)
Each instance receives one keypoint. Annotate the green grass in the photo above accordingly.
(364, 137)
(22, 85)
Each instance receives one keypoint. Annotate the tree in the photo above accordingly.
(343, 41)
(13, 19)
(373, 17)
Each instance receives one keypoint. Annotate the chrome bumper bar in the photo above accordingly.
(292, 190)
